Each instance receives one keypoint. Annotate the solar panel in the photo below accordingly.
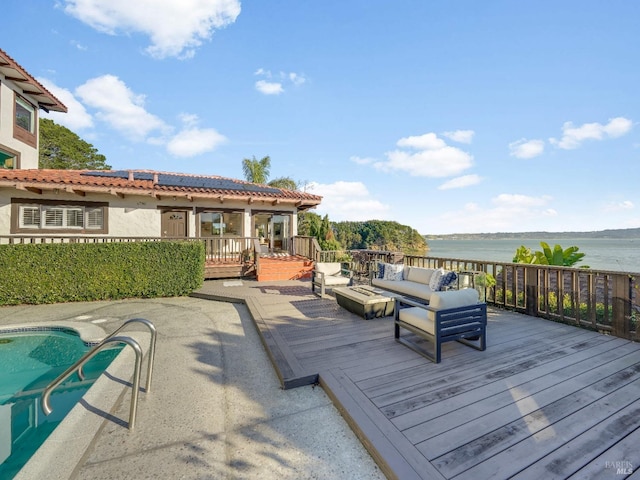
(186, 181)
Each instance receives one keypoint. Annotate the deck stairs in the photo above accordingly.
(271, 267)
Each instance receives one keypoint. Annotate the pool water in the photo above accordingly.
(29, 361)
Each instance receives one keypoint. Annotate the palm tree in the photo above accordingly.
(287, 183)
(256, 171)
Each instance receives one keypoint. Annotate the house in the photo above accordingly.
(231, 215)
(21, 96)
(130, 203)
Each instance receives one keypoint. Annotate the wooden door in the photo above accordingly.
(174, 223)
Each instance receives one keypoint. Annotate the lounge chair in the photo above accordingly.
(328, 275)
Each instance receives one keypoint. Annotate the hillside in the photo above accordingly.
(617, 233)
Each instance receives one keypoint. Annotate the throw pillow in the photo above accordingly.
(434, 281)
(393, 272)
(381, 270)
(446, 279)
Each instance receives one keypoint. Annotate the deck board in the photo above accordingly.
(545, 400)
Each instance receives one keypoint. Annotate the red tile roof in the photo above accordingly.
(152, 183)
(29, 85)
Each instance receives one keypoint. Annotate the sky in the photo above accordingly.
(449, 116)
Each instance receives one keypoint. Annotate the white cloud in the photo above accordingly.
(461, 182)
(619, 206)
(269, 88)
(77, 117)
(524, 148)
(276, 87)
(175, 28)
(428, 141)
(296, 78)
(507, 213)
(460, 136)
(119, 107)
(362, 161)
(515, 201)
(348, 201)
(572, 137)
(189, 119)
(79, 46)
(433, 158)
(194, 141)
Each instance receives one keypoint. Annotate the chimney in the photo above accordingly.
(155, 178)
(131, 175)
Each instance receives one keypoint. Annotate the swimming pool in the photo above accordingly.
(29, 360)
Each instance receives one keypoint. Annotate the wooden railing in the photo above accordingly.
(601, 300)
(306, 247)
(606, 301)
(217, 249)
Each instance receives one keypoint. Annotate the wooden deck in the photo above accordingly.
(545, 400)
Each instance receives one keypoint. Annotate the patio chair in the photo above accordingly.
(451, 315)
(328, 275)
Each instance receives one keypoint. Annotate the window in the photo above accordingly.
(25, 122)
(25, 114)
(7, 160)
(224, 224)
(58, 217)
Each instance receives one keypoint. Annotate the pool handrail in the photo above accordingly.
(152, 347)
(111, 338)
(46, 406)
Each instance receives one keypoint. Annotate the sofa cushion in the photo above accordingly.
(417, 317)
(393, 272)
(329, 268)
(404, 287)
(419, 274)
(424, 319)
(333, 280)
(454, 298)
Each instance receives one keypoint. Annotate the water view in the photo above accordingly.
(600, 253)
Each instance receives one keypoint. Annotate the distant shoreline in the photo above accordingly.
(618, 234)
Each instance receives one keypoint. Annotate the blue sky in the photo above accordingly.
(448, 116)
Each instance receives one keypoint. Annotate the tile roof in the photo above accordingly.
(152, 183)
(29, 85)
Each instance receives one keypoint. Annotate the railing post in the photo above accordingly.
(621, 305)
(531, 290)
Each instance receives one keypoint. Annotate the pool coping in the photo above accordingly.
(89, 333)
(76, 432)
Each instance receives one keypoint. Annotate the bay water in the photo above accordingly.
(600, 253)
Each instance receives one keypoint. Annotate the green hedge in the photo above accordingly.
(52, 273)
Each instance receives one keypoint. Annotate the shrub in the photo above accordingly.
(52, 273)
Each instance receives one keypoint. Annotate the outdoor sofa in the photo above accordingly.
(415, 282)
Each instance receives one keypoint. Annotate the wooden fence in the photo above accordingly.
(601, 300)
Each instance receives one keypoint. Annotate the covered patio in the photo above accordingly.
(545, 400)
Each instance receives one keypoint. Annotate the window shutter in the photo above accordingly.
(53, 217)
(30, 217)
(75, 217)
(94, 218)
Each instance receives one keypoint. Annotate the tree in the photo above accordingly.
(559, 257)
(62, 149)
(256, 171)
(284, 182)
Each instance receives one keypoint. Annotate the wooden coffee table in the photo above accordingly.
(365, 301)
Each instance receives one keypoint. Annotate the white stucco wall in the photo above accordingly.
(28, 154)
(132, 216)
